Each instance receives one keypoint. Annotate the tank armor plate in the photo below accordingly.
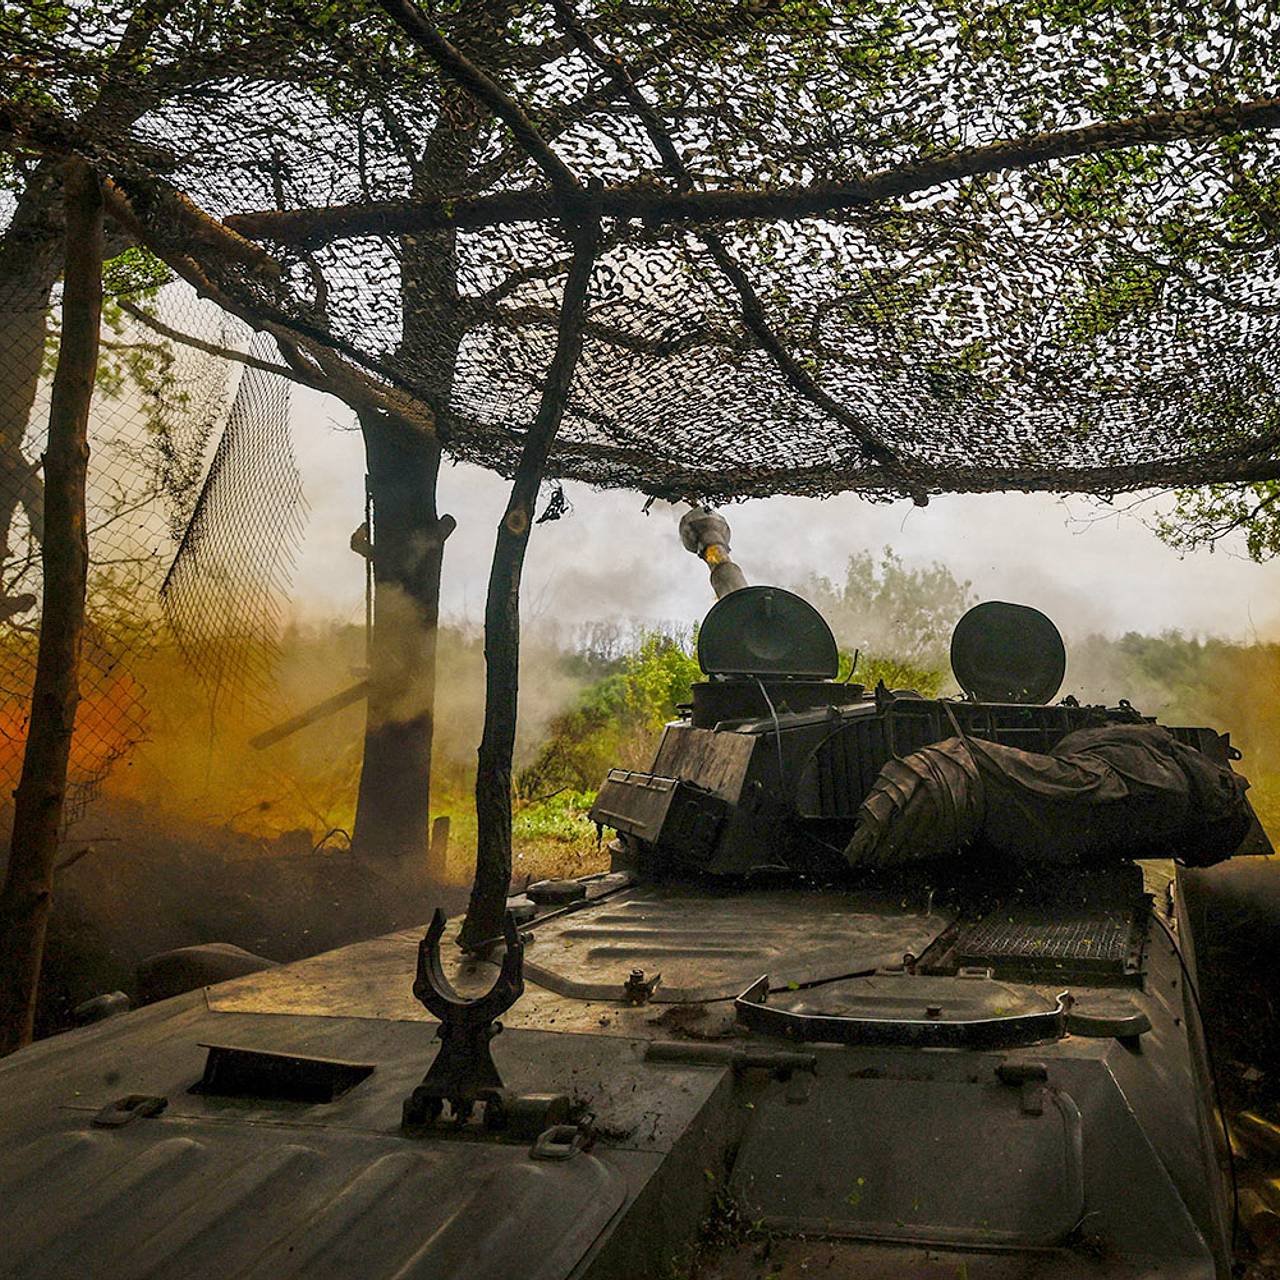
(709, 946)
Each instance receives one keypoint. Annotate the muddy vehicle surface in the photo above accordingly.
(967, 1066)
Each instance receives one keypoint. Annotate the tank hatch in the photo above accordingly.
(765, 631)
(1004, 652)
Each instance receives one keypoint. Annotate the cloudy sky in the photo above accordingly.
(1090, 567)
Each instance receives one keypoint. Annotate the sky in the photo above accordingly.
(1090, 567)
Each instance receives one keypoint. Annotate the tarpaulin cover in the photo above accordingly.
(1123, 791)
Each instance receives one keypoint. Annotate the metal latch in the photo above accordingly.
(780, 1063)
(560, 1142)
(1031, 1078)
(639, 989)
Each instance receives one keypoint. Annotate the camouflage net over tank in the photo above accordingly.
(896, 246)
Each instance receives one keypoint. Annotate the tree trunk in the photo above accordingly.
(393, 807)
(502, 615)
(30, 262)
(27, 895)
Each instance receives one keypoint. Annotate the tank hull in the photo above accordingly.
(1080, 1154)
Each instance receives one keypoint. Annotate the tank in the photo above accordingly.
(731, 1054)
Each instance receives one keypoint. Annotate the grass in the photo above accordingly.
(551, 836)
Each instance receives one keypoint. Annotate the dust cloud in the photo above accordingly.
(198, 761)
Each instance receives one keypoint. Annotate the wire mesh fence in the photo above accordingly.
(224, 592)
(159, 512)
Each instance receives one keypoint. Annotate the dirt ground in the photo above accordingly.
(133, 884)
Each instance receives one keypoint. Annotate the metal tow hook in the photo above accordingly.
(463, 1072)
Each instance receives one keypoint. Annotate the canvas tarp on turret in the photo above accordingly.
(1101, 795)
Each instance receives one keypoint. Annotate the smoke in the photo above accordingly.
(201, 765)
(620, 588)
(1232, 688)
(198, 761)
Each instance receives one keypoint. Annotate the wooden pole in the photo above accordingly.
(502, 610)
(27, 895)
(330, 706)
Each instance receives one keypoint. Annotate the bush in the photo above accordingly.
(896, 674)
(887, 608)
(614, 721)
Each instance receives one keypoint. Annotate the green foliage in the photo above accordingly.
(145, 365)
(657, 679)
(134, 364)
(888, 608)
(896, 674)
(1130, 289)
(557, 817)
(134, 271)
(614, 721)
(1207, 516)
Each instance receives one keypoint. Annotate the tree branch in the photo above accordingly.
(502, 607)
(214, 349)
(537, 271)
(571, 113)
(341, 379)
(1207, 290)
(659, 206)
(753, 314)
(486, 90)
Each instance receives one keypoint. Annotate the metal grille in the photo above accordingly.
(1101, 940)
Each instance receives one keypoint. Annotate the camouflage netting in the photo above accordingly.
(898, 246)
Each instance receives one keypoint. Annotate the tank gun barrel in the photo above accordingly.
(706, 534)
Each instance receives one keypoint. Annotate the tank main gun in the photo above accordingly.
(706, 534)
